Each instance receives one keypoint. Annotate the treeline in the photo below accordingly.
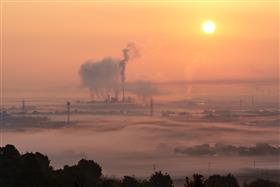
(34, 170)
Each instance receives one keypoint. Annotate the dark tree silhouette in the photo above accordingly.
(262, 183)
(9, 166)
(197, 181)
(9, 152)
(221, 181)
(161, 180)
(129, 181)
(106, 182)
(34, 170)
(85, 174)
(26, 170)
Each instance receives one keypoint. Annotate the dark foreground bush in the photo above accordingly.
(196, 181)
(262, 183)
(161, 180)
(34, 170)
(221, 181)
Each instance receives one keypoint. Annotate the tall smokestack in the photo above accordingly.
(123, 93)
(129, 52)
(108, 74)
(152, 107)
(122, 71)
(68, 111)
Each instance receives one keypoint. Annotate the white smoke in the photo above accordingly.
(143, 89)
(107, 76)
(129, 52)
(101, 77)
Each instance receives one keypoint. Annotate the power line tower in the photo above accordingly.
(209, 168)
(23, 107)
(253, 100)
(68, 111)
(123, 93)
(152, 107)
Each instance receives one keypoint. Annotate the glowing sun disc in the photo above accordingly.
(209, 27)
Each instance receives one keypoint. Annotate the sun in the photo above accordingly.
(209, 27)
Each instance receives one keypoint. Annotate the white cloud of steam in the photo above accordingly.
(101, 76)
(107, 74)
(143, 88)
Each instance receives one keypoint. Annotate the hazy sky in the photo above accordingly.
(44, 43)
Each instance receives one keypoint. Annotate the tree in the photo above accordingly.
(262, 183)
(161, 180)
(10, 166)
(27, 170)
(129, 181)
(197, 181)
(221, 181)
(36, 170)
(106, 182)
(9, 152)
(85, 174)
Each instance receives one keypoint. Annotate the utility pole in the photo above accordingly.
(209, 168)
(123, 94)
(23, 108)
(152, 107)
(154, 167)
(68, 111)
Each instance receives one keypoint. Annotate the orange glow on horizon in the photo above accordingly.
(54, 43)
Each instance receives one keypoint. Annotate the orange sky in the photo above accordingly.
(44, 43)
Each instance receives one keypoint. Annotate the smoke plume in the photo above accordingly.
(101, 77)
(143, 88)
(129, 52)
(107, 76)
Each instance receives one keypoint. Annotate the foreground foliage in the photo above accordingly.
(34, 170)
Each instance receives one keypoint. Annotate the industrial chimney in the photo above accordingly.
(253, 100)
(123, 93)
